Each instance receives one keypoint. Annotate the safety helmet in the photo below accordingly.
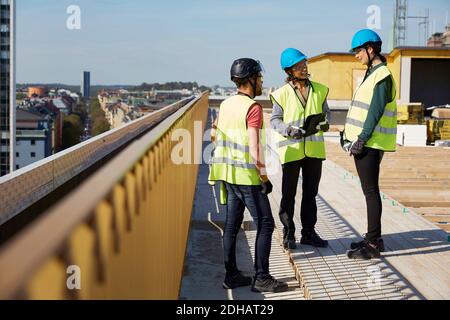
(363, 37)
(245, 68)
(291, 57)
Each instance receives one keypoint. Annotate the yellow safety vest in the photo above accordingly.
(385, 135)
(232, 162)
(290, 150)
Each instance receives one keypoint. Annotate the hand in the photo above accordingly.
(357, 147)
(266, 187)
(294, 132)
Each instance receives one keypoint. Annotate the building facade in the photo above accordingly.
(34, 138)
(86, 84)
(440, 39)
(7, 86)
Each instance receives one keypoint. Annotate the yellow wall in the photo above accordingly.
(336, 70)
(395, 65)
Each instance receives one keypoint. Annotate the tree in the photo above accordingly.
(80, 110)
(98, 119)
(72, 131)
(21, 96)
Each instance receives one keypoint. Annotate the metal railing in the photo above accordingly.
(123, 232)
(28, 185)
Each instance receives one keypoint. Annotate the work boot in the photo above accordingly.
(289, 240)
(269, 284)
(313, 239)
(289, 244)
(360, 244)
(366, 252)
(237, 280)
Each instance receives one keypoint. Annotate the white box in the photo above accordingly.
(411, 135)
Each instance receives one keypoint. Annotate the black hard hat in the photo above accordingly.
(244, 68)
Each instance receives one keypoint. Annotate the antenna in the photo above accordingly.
(400, 23)
(425, 22)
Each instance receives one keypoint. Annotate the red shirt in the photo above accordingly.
(255, 116)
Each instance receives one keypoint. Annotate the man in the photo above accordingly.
(299, 147)
(371, 130)
(238, 163)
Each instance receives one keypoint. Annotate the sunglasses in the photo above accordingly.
(300, 67)
(358, 50)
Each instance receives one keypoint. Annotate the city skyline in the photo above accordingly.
(141, 41)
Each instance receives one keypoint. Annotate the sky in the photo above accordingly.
(135, 41)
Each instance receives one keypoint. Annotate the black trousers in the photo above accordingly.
(311, 172)
(368, 167)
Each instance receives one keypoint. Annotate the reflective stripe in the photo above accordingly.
(362, 105)
(391, 114)
(298, 123)
(233, 163)
(232, 145)
(386, 130)
(315, 139)
(365, 106)
(308, 139)
(378, 128)
(286, 143)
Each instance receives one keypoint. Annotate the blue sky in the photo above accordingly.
(135, 41)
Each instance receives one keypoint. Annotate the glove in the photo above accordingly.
(323, 126)
(345, 144)
(266, 187)
(295, 133)
(357, 147)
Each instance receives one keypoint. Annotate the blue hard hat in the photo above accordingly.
(291, 57)
(362, 37)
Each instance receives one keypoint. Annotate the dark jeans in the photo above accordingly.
(368, 167)
(311, 172)
(258, 204)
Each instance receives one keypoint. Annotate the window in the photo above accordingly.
(17, 167)
(33, 142)
(17, 154)
(33, 154)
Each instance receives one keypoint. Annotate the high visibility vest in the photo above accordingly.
(231, 161)
(385, 133)
(295, 114)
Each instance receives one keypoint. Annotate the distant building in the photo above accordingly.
(440, 39)
(37, 92)
(7, 87)
(33, 138)
(52, 114)
(86, 84)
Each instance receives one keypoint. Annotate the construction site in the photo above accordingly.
(115, 217)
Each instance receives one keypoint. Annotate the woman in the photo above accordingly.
(371, 130)
(298, 118)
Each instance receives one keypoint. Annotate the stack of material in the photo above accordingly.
(416, 177)
(441, 113)
(412, 135)
(439, 125)
(411, 113)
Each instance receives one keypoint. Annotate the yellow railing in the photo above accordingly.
(122, 233)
